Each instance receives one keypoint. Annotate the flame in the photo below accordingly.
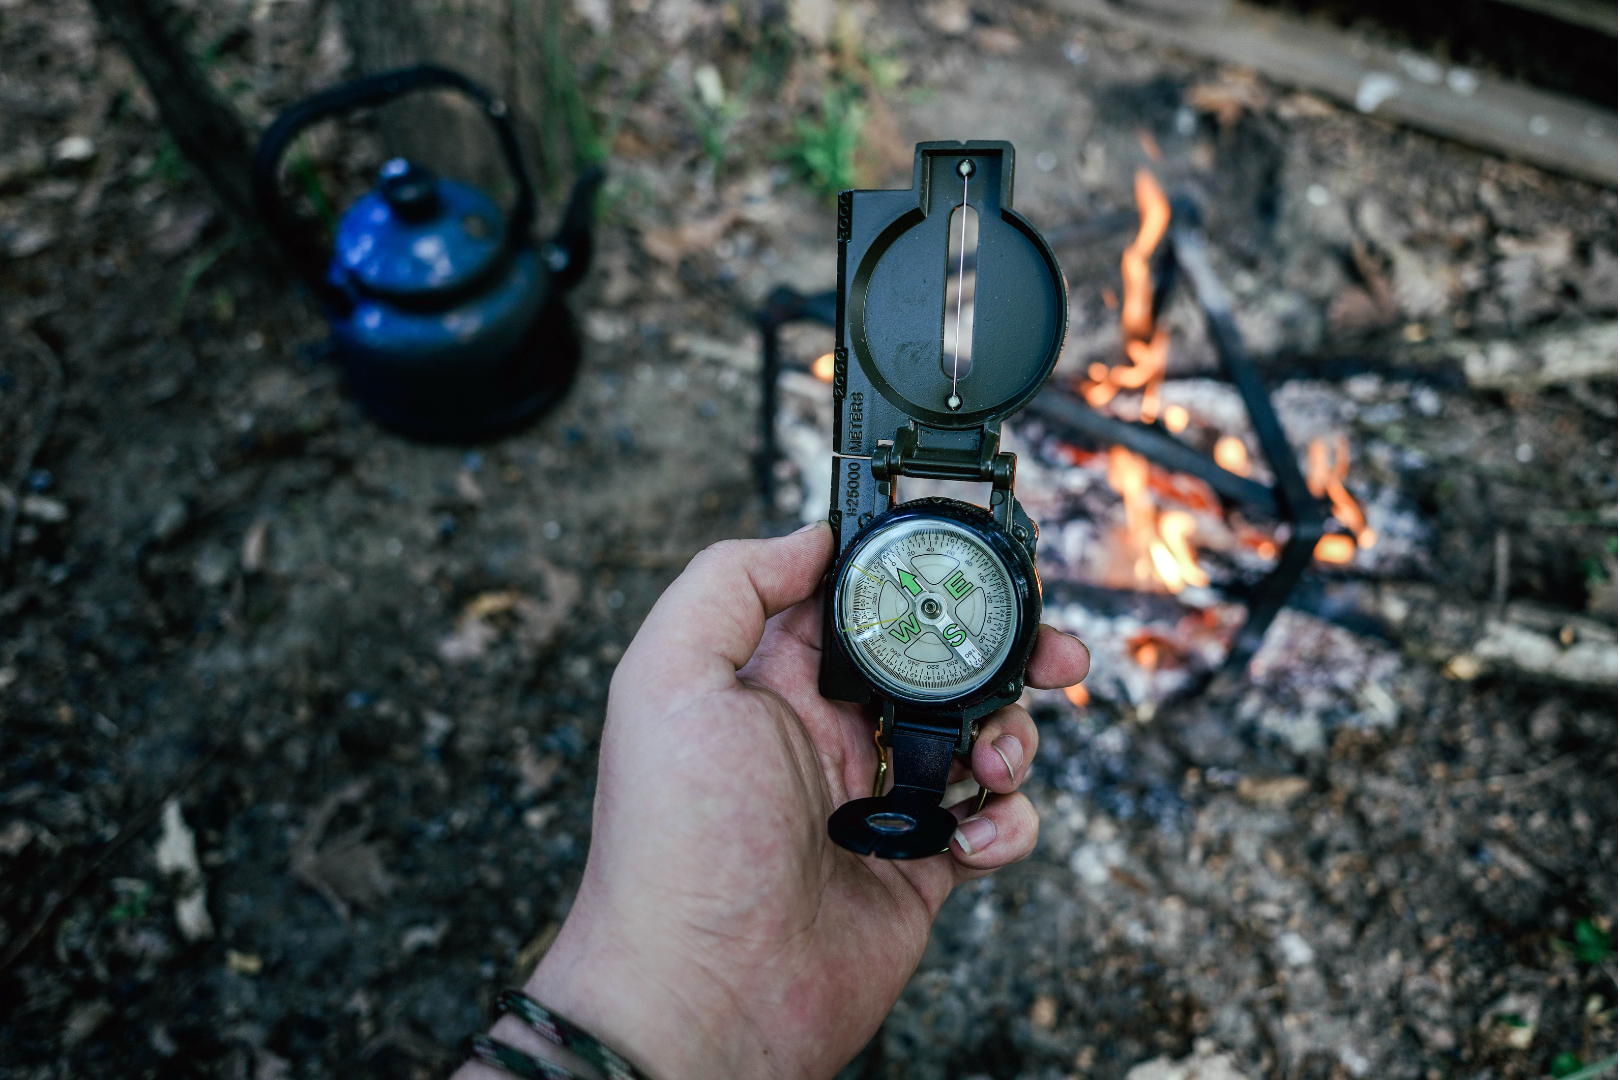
(1135, 269)
(1325, 478)
(1232, 455)
(1176, 419)
(823, 367)
(1078, 695)
(1128, 475)
(1177, 528)
(1146, 348)
(1166, 539)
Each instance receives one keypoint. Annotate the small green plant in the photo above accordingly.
(198, 265)
(714, 112)
(1566, 1066)
(572, 135)
(308, 178)
(133, 896)
(823, 150)
(169, 165)
(1592, 944)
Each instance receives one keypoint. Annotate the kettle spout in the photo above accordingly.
(568, 253)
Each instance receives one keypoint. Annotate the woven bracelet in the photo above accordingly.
(555, 1029)
(508, 1058)
(567, 1034)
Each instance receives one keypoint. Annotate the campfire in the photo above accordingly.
(1165, 513)
(1217, 512)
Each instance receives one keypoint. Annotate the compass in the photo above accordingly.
(934, 604)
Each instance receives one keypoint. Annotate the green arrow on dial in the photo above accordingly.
(909, 582)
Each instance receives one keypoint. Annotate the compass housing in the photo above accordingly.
(1024, 601)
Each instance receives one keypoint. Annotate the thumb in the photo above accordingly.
(711, 618)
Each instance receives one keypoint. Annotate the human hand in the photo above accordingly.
(718, 932)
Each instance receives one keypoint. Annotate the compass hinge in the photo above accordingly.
(933, 455)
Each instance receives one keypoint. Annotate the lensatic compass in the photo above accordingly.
(934, 604)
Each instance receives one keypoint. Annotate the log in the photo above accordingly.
(203, 125)
(1550, 358)
(1592, 14)
(1520, 639)
(1545, 129)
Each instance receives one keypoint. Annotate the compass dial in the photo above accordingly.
(928, 609)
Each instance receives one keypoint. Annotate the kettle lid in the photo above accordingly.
(417, 234)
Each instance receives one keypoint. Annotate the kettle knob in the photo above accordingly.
(411, 190)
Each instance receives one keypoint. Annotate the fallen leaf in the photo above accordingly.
(1273, 791)
(243, 963)
(536, 772)
(43, 508)
(997, 41)
(83, 1021)
(176, 855)
(670, 246)
(253, 546)
(467, 486)
(16, 836)
(417, 938)
(346, 869)
(538, 621)
(529, 957)
(177, 231)
(1227, 101)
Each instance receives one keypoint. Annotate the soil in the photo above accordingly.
(371, 673)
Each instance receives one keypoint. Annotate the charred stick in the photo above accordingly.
(1154, 444)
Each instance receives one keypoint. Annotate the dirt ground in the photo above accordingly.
(371, 673)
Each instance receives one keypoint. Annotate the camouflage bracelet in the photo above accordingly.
(567, 1034)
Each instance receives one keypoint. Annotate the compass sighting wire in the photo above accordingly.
(961, 266)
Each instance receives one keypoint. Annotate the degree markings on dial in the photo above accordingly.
(954, 658)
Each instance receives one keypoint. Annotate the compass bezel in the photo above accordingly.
(1020, 571)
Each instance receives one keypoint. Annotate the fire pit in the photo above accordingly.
(1267, 520)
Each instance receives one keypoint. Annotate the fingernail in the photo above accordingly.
(975, 834)
(1011, 752)
(807, 528)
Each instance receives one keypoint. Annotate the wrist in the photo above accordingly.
(672, 1021)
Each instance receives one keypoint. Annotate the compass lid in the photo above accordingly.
(899, 262)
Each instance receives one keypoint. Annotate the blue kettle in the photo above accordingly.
(447, 317)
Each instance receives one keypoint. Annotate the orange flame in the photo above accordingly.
(1078, 695)
(822, 368)
(1146, 348)
(1135, 269)
(1325, 478)
(1164, 540)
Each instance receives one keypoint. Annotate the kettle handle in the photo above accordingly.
(363, 93)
